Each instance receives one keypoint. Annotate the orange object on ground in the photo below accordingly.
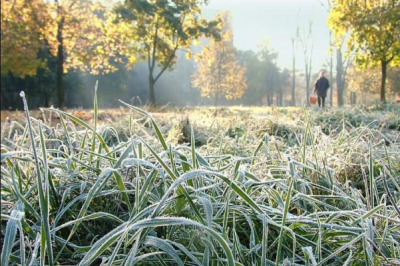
(398, 101)
(313, 99)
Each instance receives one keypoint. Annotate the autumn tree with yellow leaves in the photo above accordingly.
(20, 37)
(83, 35)
(79, 34)
(162, 27)
(219, 73)
(367, 80)
(374, 32)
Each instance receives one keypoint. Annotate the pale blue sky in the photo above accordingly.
(276, 20)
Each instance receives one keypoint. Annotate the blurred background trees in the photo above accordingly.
(162, 28)
(367, 81)
(374, 33)
(144, 51)
(219, 73)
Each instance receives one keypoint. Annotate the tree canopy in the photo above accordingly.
(163, 27)
(80, 34)
(374, 32)
(56, 49)
(219, 73)
(20, 37)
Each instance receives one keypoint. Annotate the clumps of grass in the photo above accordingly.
(385, 119)
(180, 133)
(99, 200)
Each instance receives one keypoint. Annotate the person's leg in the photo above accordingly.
(323, 102)
(319, 101)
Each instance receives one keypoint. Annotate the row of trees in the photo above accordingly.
(368, 30)
(98, 36)
(48, 46)
(59, 41)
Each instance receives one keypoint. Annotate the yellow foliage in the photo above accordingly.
(196, 42)
(89, 36)
(20, 37)
(368, 80)
(218, 71)
(372, 28)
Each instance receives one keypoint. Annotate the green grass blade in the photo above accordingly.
(81, 123)
(11, 232)
(164, 246)
(153, 122)
(43, 202)
(285, 212)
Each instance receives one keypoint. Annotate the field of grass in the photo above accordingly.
(243, 186)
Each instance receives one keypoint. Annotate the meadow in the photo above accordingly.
(201, 186)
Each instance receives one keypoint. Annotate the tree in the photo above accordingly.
(283, 84)
(331, 67)
(254, 76)
(20, 37)
(294, 40)
(218, 72)
(328, 6)
(394, 80)
(342, 65)
(308, 46)
(162, 28)
(269, 70)
(367, 80)
(264, 78)
(79, 34)
(374, 28)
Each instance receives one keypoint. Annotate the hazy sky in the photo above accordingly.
(276, 20)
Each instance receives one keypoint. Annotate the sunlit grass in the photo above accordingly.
(271, 186)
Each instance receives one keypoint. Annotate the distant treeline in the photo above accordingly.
(139, 51)
(174, 88)
(128, 85)
(145, 52)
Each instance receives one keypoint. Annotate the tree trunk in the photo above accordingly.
(269, 98)
(294, 88)
(308, 88)
(5, 101)
(331, 70)
(339, 76)
(219, 76)
(152, 96)
(331, 80)
(46, 100)
(60, 65)
(353, 99)
(293, 101)
(308, 78)
(383, 82)
(216, 99)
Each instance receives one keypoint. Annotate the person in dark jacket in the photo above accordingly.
(321, 87)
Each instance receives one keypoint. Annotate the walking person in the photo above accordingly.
(321, 87)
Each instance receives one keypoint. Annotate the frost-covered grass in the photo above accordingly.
(270, 186)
